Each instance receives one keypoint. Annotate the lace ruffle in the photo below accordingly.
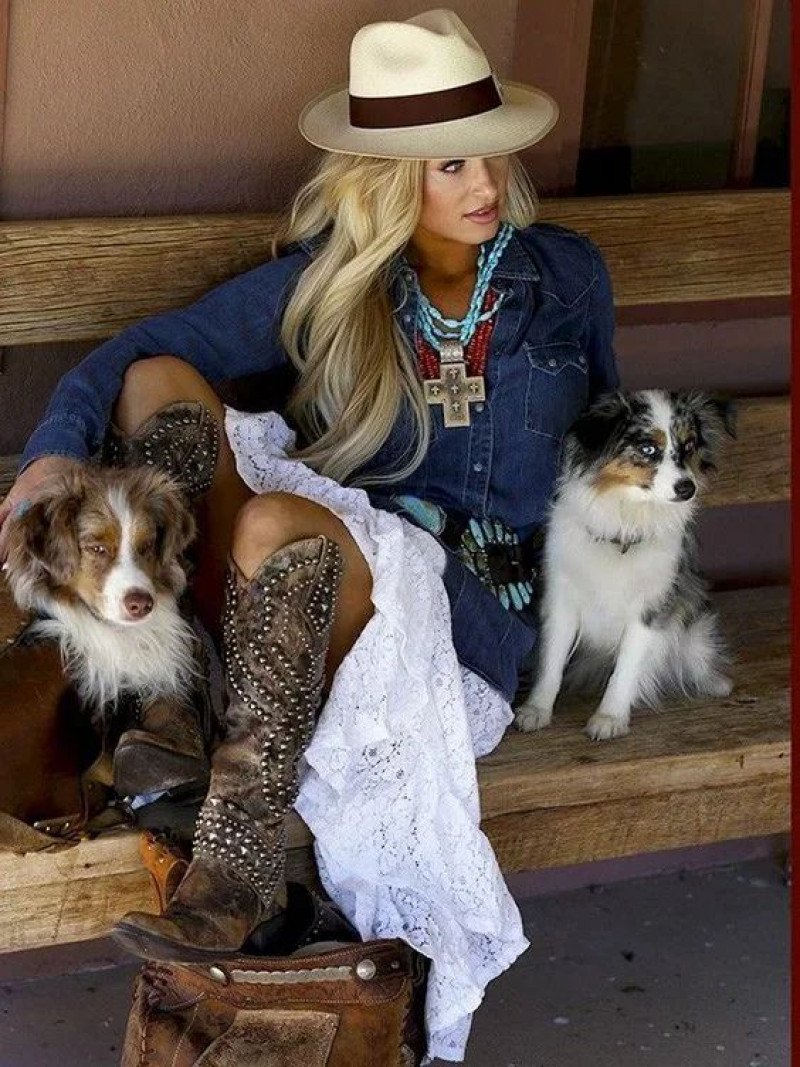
(389, 786)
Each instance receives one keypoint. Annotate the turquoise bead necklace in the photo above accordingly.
(454, 389)
(436, 328)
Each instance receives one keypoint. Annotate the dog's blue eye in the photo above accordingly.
(648, 450)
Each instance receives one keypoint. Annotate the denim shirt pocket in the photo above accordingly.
(558, 386)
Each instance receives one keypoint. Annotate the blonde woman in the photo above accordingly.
(441, 342)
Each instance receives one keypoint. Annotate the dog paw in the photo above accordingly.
(530, 717)
(719, 685)
(602, 727)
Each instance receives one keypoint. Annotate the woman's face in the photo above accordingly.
(456, 191)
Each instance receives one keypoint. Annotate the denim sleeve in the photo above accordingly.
(603, 373)
(232, 331)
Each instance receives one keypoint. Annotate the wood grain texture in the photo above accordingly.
(4, 16)
(750, 94)
(85, 279)
(755, 469)
(557, 837)
(691, 745)
(695, 773)
(79, 893)
(71, 895)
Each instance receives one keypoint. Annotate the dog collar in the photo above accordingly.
(622, 543)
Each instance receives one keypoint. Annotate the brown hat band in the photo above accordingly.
(422, 109)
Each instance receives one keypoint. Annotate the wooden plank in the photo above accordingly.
(687, 247)
(83, 279)
(691, 745)
(8, 472)
(751, 90)
(755, 469)
(558, 837)
(79, 893)
(4, 16)
(48, 899)
(43, 904)
(87, 278)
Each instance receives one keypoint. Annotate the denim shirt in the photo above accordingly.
(551, 351)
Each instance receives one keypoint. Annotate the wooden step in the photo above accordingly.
(695, 773)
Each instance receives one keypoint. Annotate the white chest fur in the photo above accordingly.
(605, 586)
(152, 658)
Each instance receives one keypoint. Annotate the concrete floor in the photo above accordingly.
(684, 969)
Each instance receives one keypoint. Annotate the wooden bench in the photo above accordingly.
(697, 773)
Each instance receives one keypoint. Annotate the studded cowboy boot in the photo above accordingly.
(276, 633)
(182, 439)
(166, 746)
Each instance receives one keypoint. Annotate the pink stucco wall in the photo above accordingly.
(165, 106)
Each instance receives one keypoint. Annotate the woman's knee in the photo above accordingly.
(267, 522)
(153, 383)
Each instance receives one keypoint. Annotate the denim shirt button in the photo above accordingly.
(582, 360)
(477, 467)
(406, 319)
(478, 407)
(551, 362)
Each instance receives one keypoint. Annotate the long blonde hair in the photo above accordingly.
(355, 368)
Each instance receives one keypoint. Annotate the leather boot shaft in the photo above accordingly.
(276, 634)
(181, 439)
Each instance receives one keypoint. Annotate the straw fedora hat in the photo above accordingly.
(424, 89)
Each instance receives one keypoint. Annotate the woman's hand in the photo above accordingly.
(33, 480)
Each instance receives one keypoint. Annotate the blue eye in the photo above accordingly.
(458, 163)
(648, 450)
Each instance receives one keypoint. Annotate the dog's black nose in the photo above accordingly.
(684, 489)
(137, 603)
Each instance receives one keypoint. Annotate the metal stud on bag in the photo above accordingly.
(366, 970)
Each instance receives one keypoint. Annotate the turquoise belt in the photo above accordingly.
(487, 547)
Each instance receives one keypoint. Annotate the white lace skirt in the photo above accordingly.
(389, 786)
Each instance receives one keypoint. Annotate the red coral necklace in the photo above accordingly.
(475, 356)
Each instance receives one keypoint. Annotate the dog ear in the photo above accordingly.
(604, 420)
(714, 420)
(168, 507)
(43, 539)
(725, 412)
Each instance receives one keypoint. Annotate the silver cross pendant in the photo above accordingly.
(453, 389)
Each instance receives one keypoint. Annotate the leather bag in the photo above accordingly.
(356, 1005)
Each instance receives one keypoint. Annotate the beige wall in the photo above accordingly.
(158, 106)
